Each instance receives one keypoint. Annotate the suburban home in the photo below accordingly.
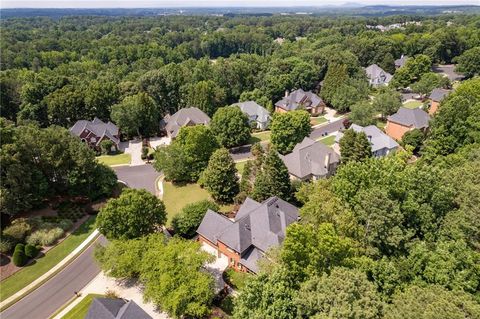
(381, 143)
(189, 116)
(406, 120)
(435, 98)
(115, 308)
(299, 99)
(400, 62)
(256, 228)
(258, 115)
(311, 160)
(377, 76)
(96, 131)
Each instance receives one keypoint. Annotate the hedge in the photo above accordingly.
(19, 258)
(31, 251)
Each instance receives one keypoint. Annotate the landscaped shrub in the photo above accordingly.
(31, 251)
(65, 224)
(6, 245)
(19, 258)
(19, 229)
(20, 247)
(45, 237)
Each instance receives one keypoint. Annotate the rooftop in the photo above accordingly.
(416, 118)
(183, 117)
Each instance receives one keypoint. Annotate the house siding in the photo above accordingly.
(433, 107)
(222, 249)
(395, 130)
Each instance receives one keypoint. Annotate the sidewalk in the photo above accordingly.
(26, 290)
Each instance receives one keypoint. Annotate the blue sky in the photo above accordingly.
(209, 3)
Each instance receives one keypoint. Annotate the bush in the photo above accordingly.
(65, 224)
(186, 223)
(144, 153)
(19, 258)
(106, 146)
(6, 245)
(20, 247)
(19, 229)
(31, 251)
(45, 237)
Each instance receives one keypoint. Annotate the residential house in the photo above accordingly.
(311, 160)
(377, 76)
(435, 98)
(406, 120)
(381, 143)
(299, 99)
(189, 116)
(256, 228)
(115, 308)
(258, 115)
(401, 62)
(96, 131)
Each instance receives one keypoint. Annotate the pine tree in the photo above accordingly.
(273, 179)
(219, 178)
(354, 146)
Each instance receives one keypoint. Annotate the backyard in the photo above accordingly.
(240, 166)
(176, 197)
(43, 264)
(81, 309)
(329, 140)
(413, 104)
(117, 159)
(259, 137)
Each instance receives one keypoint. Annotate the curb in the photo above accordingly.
(52, 272)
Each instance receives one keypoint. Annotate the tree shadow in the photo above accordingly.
(4, 260)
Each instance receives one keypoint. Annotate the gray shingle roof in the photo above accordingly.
(183, 117)
(438, 95)
(377, 76)
(213, 225)
(401, 62)
(378, 139)
(108, 308)
(297, 98)
(416, 118)
(250, 258)
(98, 127)
(308, 158)
(254, 111)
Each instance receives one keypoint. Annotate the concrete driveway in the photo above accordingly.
(139, 176)
(217, 267)
(134, 148)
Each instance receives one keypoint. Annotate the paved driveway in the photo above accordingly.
(140, 176)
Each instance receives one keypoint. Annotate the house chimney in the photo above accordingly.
(369, 138)
(327, 161)
(286, 93)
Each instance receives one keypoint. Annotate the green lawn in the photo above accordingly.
(240, 166)
(329, 140)
(317, 120)
(412, 104)
(236, 279)
(381, 124)
(176, 197)
(259, 137)
(31, 272)
(117, 159)
(81, 309)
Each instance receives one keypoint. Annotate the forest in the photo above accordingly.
(396, 237)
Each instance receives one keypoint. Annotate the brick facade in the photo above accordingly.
(395, 130)
(222, 249)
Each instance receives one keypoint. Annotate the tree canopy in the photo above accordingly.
(289, 129)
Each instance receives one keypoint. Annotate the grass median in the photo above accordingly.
(30, 273)
(81, 309)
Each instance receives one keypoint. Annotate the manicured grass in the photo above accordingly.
(117, 159)
(81, 309)
(240, 166)
(41, 265)
(259, 137)
(236, 279)
(412, 104)
(381, 124)
(175, 197)
(329, 140)
(317, 120)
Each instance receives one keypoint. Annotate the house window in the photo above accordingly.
(232, 261)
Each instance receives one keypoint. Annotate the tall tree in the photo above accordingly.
(220, 176)
(187, 221)
(469, 62)
(362, 113)
(231, 126)
(354, 146)
(289, 129)
(387, 102)
(206, 95)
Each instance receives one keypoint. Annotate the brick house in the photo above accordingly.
(435, 98)
(96, 131)
(299, 99)
(189, 116)
(256, 228)
(406, 120)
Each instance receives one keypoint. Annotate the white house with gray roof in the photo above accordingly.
(256, 228)
(381, 143)
(256, 114)
(377, 76)
(96, 131)
(311, 160)
(188, 116)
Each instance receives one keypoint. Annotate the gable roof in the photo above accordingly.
(259, 226)
(438, 94)
(416, 118)
(299, 97)
(183, 117)
(97, 127)
(308, 158)
(401, 62)
(378, 139)
(255, 111)
(108, 308)
(377, 75)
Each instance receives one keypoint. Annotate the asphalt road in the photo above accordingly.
(243, 152)
(44, 301)
(142, 176)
